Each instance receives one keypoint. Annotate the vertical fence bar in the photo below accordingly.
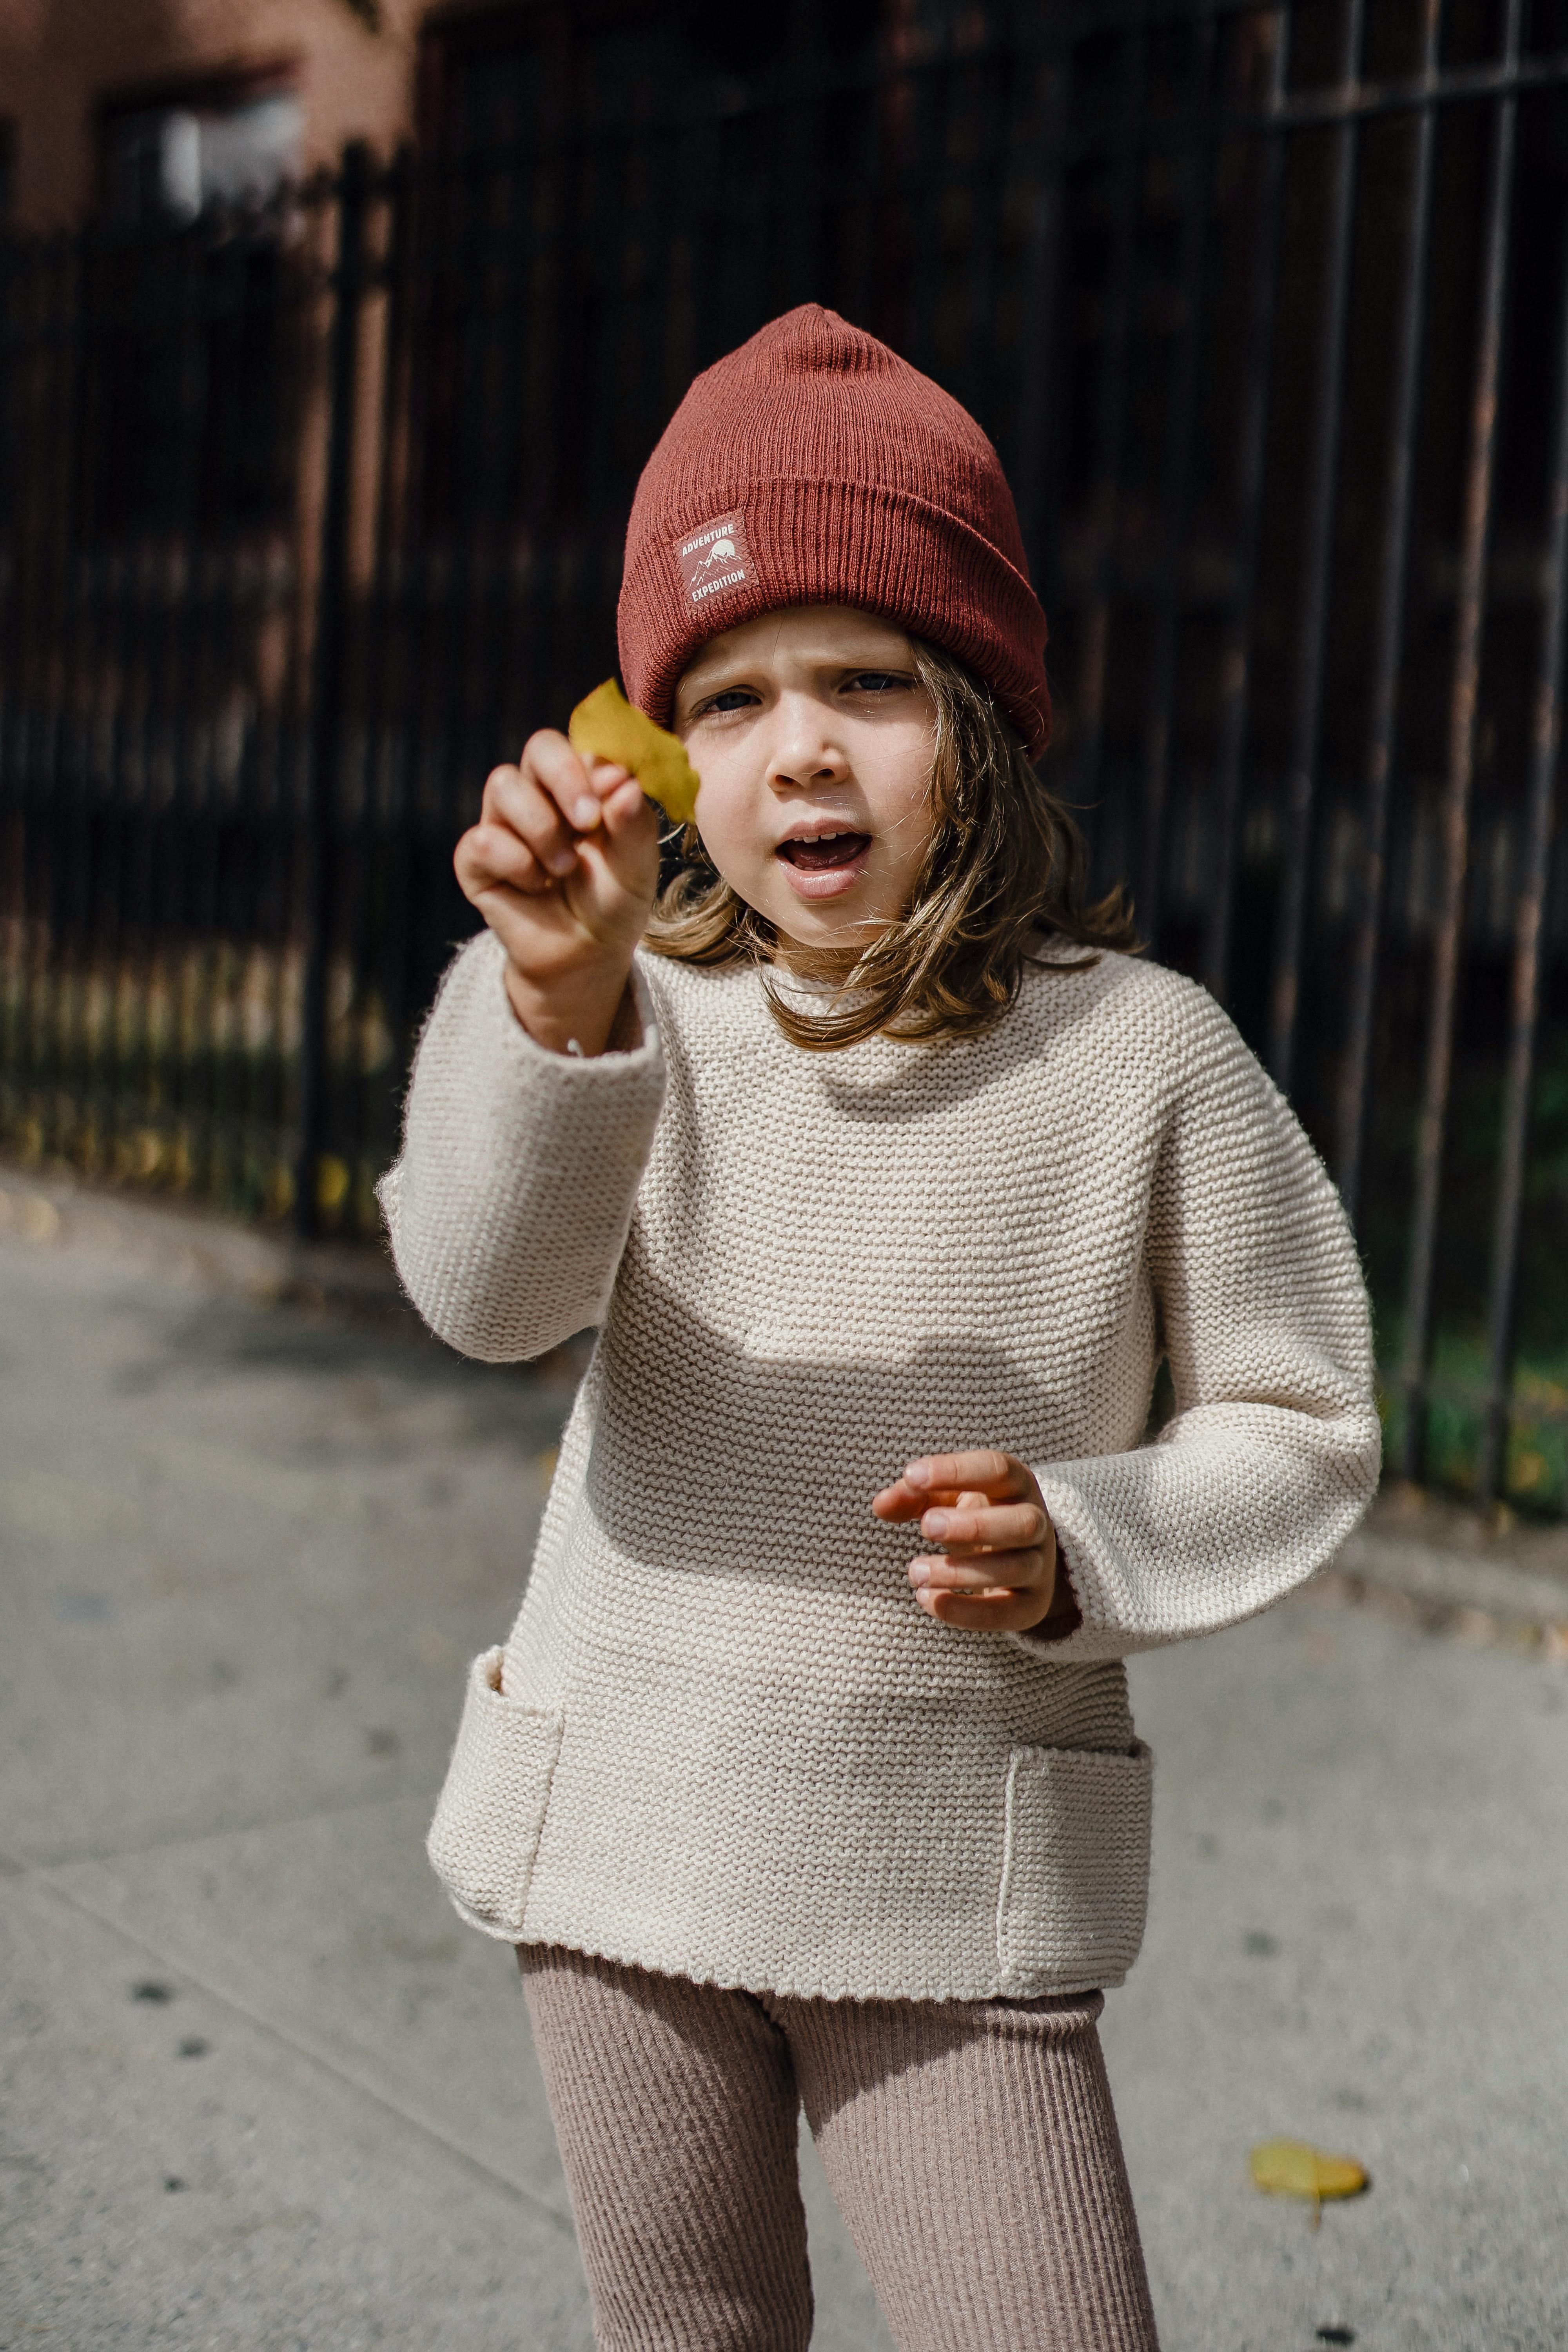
(468, 569)
(1036, 471)
(81, 1039)
(604, 486)
(1235, 659)
(1004, 85)
(1431, 1123)
(270, 295)
(804, 97)
(175, 314)
(1529, 937)
(1176, 489)
(42, 627)
(862, 234)
(190, 739)
(1301, 790)
(108, 816)
(219, 555)
(43, 979)
(1400, 473)
(126, 584)
(285, 743)
(420, 572)
(486, 196)
(65, 797)
(390, 805)
(1094, 651)
(13, 815)
(482, 733)
(327, 676)
(934, 100)
(28, 361)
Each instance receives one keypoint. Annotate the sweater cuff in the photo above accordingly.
(1065, 1616)
(1094, 1630)
(634, 1050)
(509, 1206)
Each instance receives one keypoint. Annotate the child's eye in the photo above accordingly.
(874, 681)
(734, 697)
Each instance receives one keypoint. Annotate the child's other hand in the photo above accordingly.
(564, 865)
(997, 1571)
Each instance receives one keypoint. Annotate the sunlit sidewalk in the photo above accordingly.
(262, 2089)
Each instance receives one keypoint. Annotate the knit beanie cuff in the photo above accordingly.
(809, 542)
(816, 466)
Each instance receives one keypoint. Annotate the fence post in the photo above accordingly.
(328, 674)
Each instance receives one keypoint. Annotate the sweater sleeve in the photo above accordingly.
(1273, 1451)
(509, 1205)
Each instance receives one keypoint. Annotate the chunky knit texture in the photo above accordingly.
(971, 2147)
(723, 1741)
(814, 467)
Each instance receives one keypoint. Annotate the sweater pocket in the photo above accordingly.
(1075, 1867)
(486, 1832)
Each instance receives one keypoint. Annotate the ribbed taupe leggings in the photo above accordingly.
(971, 2147)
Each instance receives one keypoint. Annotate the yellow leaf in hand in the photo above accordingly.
(1293, 2167)
(605, 726)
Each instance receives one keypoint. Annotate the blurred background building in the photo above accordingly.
(152, 105)
(334, 335)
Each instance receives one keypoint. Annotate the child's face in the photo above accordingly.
(813, 739)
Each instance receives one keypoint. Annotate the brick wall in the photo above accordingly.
(60, 60)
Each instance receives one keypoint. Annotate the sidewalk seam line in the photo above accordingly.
(302, 2048)
(261, 1826)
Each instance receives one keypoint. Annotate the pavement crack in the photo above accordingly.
(303, 2047)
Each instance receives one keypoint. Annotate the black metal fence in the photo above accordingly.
(308, 515)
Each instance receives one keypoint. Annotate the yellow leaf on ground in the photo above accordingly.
(1293, 2167)
(605, 726)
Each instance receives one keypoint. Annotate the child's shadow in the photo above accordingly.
(757, 1428)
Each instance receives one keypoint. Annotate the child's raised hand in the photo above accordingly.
(997, 1571)
(564, 866)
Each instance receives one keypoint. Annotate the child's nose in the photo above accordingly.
(805, 749)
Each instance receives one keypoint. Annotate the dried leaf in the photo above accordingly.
(1293, 2167)
(605, 726)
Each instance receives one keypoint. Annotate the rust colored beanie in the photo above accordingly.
(814, 467)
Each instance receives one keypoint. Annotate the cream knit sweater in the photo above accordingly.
(722, 1742)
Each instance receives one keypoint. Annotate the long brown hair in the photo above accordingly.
(1005, 863)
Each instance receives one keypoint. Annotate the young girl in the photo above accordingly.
(888, 1176)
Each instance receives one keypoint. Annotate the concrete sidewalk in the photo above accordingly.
(262, 2089)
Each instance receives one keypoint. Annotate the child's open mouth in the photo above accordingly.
(820, 868)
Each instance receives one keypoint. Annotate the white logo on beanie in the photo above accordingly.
(714, 558)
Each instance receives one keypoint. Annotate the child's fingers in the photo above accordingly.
(939, 1479)
(899, 1502)
(619, 862)
(994, 1572)
(903, 1501)
(1007, 1612)
(622, 803)
(550, 762)
(491, 857)
(999, 1474)
(997, 1568)
(518, 800)
(630, 821)
(974, 1524)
